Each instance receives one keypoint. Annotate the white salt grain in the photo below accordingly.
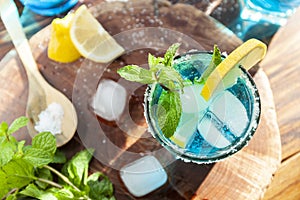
(50, 119)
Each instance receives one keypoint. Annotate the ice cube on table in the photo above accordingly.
(191, 100)
(230, 110)
(143, 176)
(211, 133)
(109, 100)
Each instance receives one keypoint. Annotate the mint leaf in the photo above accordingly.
(3, 186)
(20, 148)
(169, 112)
(42, 150)
(33, 191)
(7, 152)
(95, 176)
(170, 54)
(17, 124)
(137, 74)
(3, 129)
(66, 194)
(37, 157)
(153, 61)
(59, 157)
(77, 168)
(215, 61)
(15, 174)
(170, 78)
(100, 189)
(45, 141)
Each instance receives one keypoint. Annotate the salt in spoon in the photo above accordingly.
(40, 94)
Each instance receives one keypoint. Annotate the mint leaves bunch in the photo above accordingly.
(25, 169)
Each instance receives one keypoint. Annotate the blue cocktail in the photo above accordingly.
(208, 131)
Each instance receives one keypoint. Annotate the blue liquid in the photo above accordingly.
(211, 135)
(198, 144)
(261, 18)
(277, 6)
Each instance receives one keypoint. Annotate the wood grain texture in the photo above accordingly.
(285, 184)
(283, 69)
(244, 175)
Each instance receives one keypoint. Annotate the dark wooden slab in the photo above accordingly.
(243, 176)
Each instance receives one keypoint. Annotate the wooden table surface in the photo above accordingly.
(283, 70)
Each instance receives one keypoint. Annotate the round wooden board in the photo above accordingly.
(245, 175)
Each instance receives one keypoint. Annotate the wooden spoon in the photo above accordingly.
(41, 94)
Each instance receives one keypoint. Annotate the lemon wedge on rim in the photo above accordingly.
(91, 39)
(247, 55)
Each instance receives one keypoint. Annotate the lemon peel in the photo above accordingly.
(91, 39)
(247, 55)
(60, 46)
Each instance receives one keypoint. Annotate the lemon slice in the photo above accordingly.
(60, 46)
(91, 39)
(247, 55)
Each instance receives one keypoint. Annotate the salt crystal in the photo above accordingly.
(109, 100)
(143, 176)
(50, 119)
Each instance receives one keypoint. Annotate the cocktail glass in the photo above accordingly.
(262, 18)
(212, 130)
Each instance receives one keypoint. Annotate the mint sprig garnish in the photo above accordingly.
(215, 61)
(168, 112)
(25, 170)
(161, 71)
